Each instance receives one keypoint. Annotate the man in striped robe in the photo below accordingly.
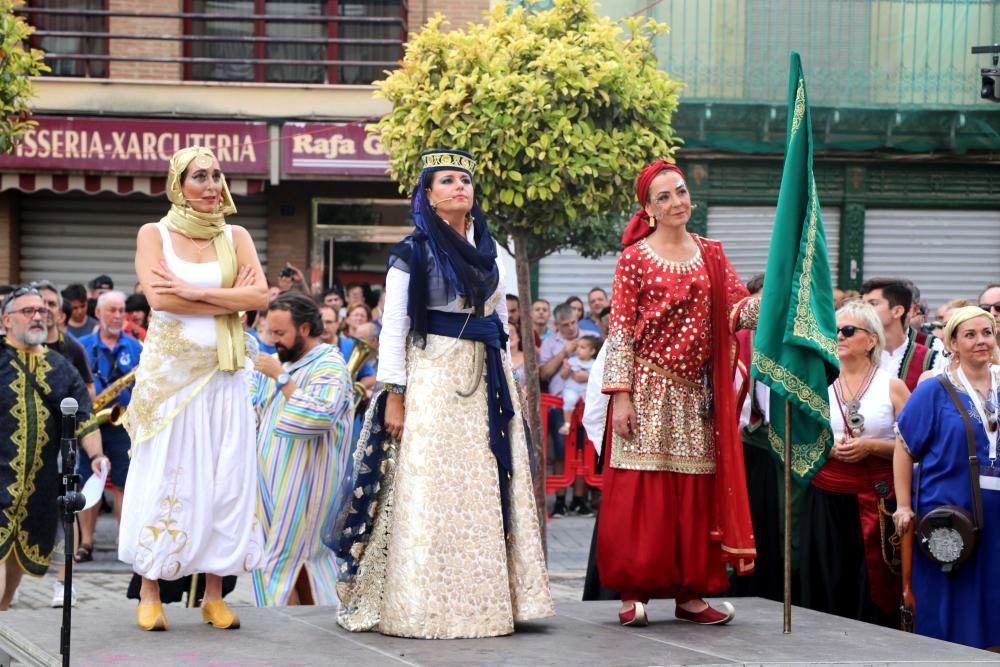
(303, 400)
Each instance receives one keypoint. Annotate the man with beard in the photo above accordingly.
(303, 400)
(69, 348)
(112, 356)
(33, 382)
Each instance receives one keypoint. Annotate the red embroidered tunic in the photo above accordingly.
(660, 339)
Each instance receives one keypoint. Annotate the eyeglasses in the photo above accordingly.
(990, 306)
(17, 294)
(30, 312)
(849, 330)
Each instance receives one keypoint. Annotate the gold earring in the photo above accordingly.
(652, 222)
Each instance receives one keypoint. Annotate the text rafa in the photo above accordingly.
(334, 146)
(131, 145)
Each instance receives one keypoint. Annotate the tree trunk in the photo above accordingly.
(523, 267)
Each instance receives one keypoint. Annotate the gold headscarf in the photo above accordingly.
(183, 219)
(964, 314)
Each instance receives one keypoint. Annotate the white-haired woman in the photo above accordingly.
(844, 567)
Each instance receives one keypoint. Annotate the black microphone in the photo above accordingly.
(70, 503)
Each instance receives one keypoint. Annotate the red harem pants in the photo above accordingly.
(653, 536)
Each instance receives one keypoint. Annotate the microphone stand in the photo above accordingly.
(69, 504)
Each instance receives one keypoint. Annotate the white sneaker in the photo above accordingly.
(58, 591)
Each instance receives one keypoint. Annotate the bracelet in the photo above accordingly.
(395, 388)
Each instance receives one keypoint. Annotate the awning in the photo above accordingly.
(94, 183)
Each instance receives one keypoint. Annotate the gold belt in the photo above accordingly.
(660, 370)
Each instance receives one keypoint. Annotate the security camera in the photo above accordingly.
(990, 76)
(991, 84)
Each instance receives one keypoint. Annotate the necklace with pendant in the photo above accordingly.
(850, 409)
(199, 248)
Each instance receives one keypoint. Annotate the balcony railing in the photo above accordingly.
(321, 47)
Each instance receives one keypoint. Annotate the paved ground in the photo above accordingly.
(105, 579)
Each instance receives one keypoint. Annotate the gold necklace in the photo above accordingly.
(200, 249)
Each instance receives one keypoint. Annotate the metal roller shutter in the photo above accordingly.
(74, 237)
(745, 232)
(565, 274)
(949, 254)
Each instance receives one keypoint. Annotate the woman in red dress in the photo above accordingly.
(675, 505)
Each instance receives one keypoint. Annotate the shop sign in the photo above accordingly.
(136, 146)
(342, 149)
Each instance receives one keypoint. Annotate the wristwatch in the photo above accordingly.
(283, 379)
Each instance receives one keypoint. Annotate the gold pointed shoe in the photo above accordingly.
(218, 614)
(150, 616)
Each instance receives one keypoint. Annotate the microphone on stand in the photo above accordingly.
(71, 502)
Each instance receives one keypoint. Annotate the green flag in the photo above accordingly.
(795, 349)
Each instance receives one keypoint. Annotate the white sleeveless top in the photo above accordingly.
(199, 329)
(876, 407)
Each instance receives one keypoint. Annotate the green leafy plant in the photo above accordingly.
(561, 108)
(17, 65)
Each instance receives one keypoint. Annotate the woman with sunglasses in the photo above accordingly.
(845, 568)
(958, 606)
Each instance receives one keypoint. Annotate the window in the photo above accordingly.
(294, 41)
(68, 38)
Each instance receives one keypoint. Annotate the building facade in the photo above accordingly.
(907, 154)
(281, 90)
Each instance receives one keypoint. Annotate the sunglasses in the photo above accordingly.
(17, 294)
(849, 330)
(990, 306)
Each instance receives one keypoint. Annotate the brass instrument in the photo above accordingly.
(114, 415)
(362, 353)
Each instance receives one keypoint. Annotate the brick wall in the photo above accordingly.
(139, 47)
(10, 247)
(458, 12)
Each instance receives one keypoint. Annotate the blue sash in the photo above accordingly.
(499, 406)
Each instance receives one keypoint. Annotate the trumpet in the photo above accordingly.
(114, 415)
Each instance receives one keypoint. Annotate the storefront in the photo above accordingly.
(77, 190)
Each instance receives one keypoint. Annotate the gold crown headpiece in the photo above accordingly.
(452, 159)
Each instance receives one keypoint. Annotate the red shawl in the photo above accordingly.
(732, 508)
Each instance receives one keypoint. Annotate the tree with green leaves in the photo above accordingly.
(561, 107)
(17, 65)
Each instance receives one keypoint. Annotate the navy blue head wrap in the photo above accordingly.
(442, 264)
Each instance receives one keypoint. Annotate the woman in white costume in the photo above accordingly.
(439, 537)
(192, 497)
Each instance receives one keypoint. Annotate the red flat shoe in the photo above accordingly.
(634, 617)
(708, 615)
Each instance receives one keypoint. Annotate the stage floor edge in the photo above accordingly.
(582, 633)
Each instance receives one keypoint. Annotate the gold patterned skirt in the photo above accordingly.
(673, 434)
(438, 565)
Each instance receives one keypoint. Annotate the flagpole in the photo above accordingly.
(788, 517)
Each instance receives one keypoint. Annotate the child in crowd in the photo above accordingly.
(576, 372)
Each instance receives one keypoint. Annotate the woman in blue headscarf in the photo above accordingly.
(437, 531)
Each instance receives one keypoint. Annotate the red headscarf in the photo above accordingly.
(638, 227)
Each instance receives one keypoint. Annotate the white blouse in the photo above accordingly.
(396, 323)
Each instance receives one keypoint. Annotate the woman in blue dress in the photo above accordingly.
(958, 606)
